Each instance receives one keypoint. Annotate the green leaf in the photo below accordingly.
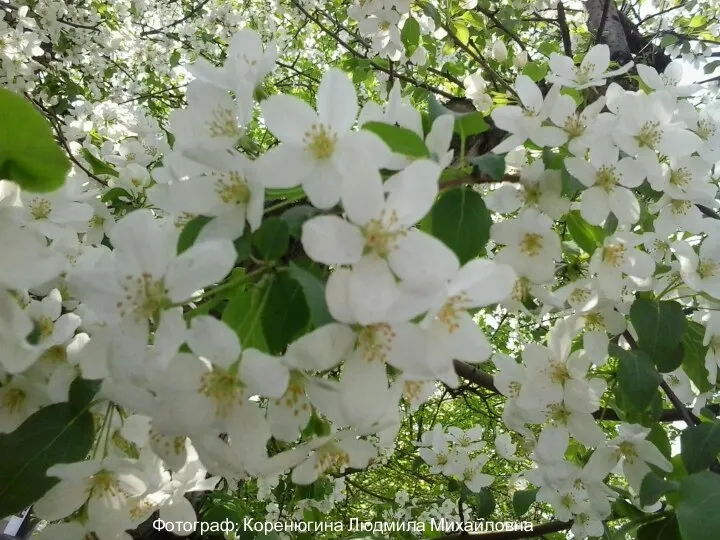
(314, 290)
(272, 238)
(54, 434)
(492, 165)
(697, 509)
(700, 446)
(461, 32)
(399, 139)
(535, 70)
(658, 436)
(190, 232)
(483, 503)
(660, 326)
(82, 392)
(665, 529)
(242, 314)
(461, 220)
(638, 380)
(472, 123)
(587, 237)
(693, 362)
(710, 67)
(28, 153)
(97, 165)
(522, 500)
(115, 193)
(653, 487)
(285, 314)
(296, 216)
(410, 34)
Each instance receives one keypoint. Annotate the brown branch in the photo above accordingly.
(539, 530)
(564, 29)
(603, 20)
(477, 179)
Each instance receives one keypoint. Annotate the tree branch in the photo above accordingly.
(564, 29)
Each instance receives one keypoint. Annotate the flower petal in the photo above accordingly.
(332, 240)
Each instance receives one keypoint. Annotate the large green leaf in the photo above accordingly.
(28, 152)
(242, 314)
(55, 434)
(314, 290)
(660, 326)
(638, 380)
(653, 487)
(665, 529)
(693, 362)
(697, 509)
(587, 237)
(190, 232)
(522, 500)
(700, 446)
(461, 220)
(399, 139)
(492, 165)
(272, 238)
(285, 313)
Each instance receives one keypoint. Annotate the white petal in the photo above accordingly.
(332, 240)
(61, 500)
(288, 118)
(595, 205)
(624, 205)
(284, 166)
(199, 266)
(214, 340)
(321, 349)
(362, 194)
(412, 192)
(336, 101)
(142, 243)
(485, 282)
(421, 258)
(264, 374)
(372, 290)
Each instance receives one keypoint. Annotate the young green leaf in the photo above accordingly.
(461, 220)
(399, 139)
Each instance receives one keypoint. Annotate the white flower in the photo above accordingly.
(607, 180)
(591, 72)
(520, 59)
(333, 454)
(525, 122)
(19, 398)
(319, 150)
(634, 451)
(669, 81)
(616, 257)
(531, 246)
(583, 129)
(499, 51)
(700, 271)
(538, 188)
(476, 91)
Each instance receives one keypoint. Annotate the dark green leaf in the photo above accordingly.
(587, 237)
(461, 220)
(522, 500)
(492, 165)
(242, 314)
(472, 123)
(697, 509)
(190, 232)
(314, 290)
(658, 436)
(665, 529)
(399, 139)
(272, 238)
(115, 193)
(98, 166)
(660, 326)
(484, 503)
(711, 66)
(296, 216)
(82, 392)
(242, 247)
(638, 380)
(28, 153)
(653, 487)
(693, 362)
(54, 434)
(285, 314)
(700, 446)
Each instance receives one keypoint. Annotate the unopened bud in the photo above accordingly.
(499, 51)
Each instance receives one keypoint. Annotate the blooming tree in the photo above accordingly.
(402, 262)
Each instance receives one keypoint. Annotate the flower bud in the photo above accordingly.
(520, 59)
(499, 51)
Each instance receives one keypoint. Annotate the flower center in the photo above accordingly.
(680, 178)
(574, 126)
(706, 129)
(380, 236)
(521, 289)
(221, 387)
(679, 207)
(594, 321)
(628, 451)
(578, 296)
(449, 315)
(320, 141)
(531, 244)
(558, 372)
(232, 188)
(103, 483)
(606, 178)
(45, 327)
(223, 124)
(331, 458)
(143, 296)
(649, 135)
(707, 269)
(374, 342)
(583, 73)
(14, 399)
(39, 208)
(613, 255)
(96, 222)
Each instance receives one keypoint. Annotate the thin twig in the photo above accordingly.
(564, 29)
